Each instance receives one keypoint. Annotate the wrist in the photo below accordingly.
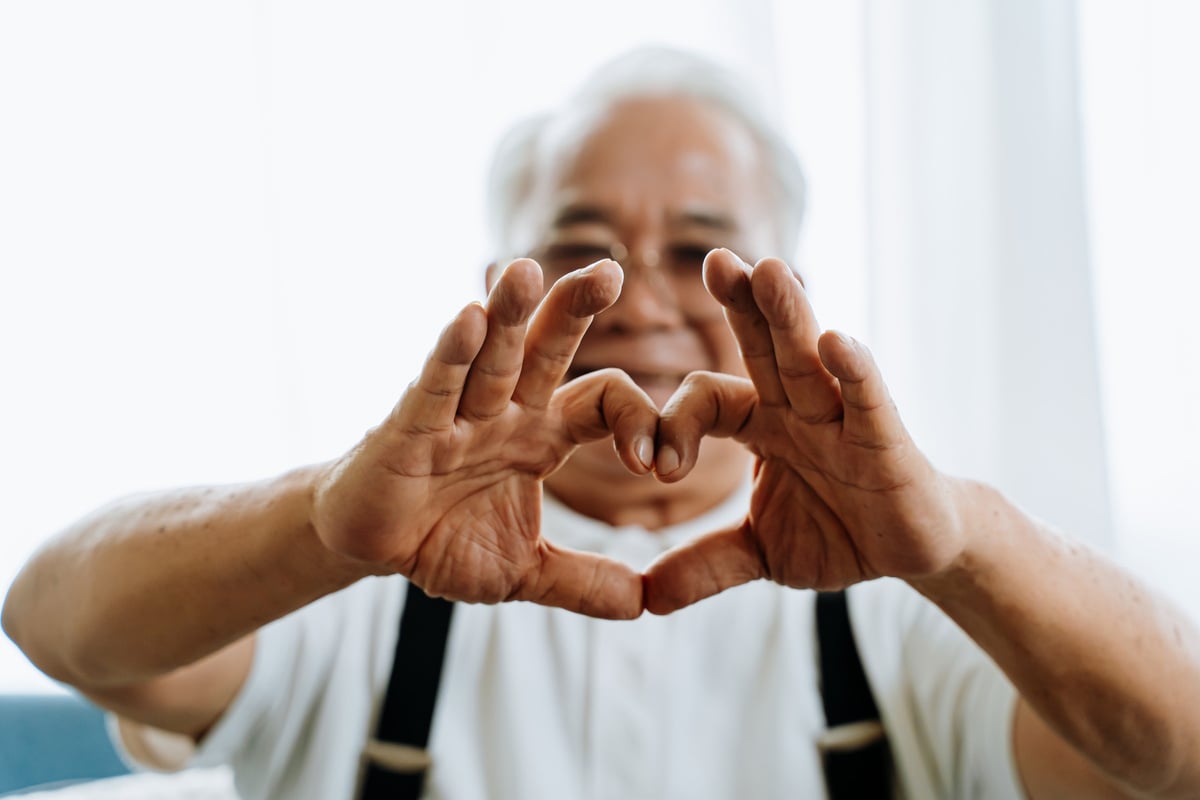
(982, 518)
(340, 569)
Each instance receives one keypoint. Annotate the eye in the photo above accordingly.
(689, 257)
(564, 257)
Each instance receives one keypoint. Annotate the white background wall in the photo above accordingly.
(1142, 126)
(230, 231)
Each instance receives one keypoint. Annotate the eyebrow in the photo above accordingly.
(580, 214)
(706, 219)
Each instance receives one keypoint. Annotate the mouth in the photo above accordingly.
(639, 376)
(660, 385)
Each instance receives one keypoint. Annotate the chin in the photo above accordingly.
(722, 462)
(594, 482)
(598, 461)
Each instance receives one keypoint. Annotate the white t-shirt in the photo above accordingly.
(718, 700)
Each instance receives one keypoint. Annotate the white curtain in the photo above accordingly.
(229, 231)
(981, 301)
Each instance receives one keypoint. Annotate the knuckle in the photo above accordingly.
(501, 370)
(700, 381)
(555, 357)
(799, 373)
(613, 375)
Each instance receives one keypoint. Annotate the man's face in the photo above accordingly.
(655, 184)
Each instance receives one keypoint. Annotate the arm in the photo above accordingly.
(1109, 676)
(150, 605)
(1100, 662)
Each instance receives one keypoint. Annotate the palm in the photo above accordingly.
(447, 491)
(825, 512)
(841, 494)
(816, 552)
(478, 534)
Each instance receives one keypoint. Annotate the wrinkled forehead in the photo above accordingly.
(651, 157)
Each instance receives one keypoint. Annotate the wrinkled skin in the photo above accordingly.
(841, 494)
(447, 491)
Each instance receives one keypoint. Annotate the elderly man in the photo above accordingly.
(665, 424)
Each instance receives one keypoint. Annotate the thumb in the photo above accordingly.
(702, 568)
(585, 583)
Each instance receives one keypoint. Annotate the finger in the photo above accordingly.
(871, 418)
(431, 402)
(727, 278)
(811, 391)
(706, 404)
(558, 326)
(585, 583)
(608, 402)
(702, 568)
(494, 374)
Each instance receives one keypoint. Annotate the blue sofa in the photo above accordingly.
(48, 740)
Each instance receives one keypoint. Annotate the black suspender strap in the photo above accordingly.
(396, 757)
(856, 756)
(857, 760)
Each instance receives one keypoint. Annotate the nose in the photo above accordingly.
(646, 303)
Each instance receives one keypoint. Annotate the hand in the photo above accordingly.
(841, 494)
(448, 490)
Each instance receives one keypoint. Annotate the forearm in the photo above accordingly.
(153, 583)
(1109, 665)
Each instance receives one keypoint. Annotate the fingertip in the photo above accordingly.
(605, 267)
(624, 597)
(724, 258)
(522, 269)
(772, 266)
(725, 275)
(834, 341)
(609, 402)
(630, 610)
(517, 293)
(586, 583)
(595, 288)
(842, 355)
(773, 282)
(643, 451)
(670, 464)
(472, 311)
(668, 461)
(462, 339)
(657, 595)
(637, 454)
(659, 607)
(524, 276)
(652, 598)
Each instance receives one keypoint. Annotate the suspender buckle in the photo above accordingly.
(402, 759)
(851, 736)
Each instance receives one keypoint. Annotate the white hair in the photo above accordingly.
(641, 73)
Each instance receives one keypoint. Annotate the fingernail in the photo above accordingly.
(737, 259)
(590, 268)
(644, 449)
(846, 340)
(668, 460)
